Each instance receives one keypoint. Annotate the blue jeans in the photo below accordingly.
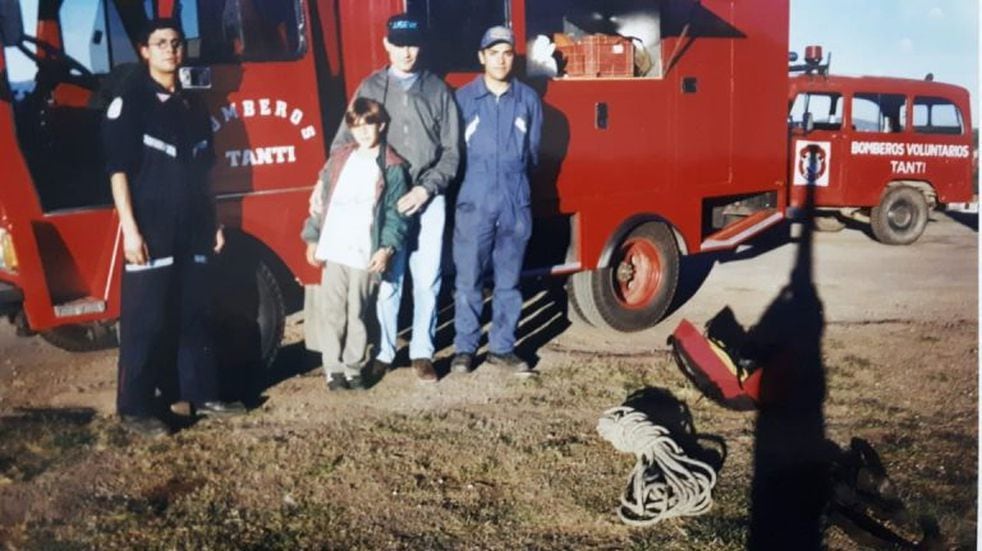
(424, 265)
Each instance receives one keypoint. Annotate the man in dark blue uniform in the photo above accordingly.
(158, 144)
(502, 120)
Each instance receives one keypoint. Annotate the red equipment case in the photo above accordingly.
(599, 55)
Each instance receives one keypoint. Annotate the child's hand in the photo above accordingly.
(311, 259)
(380, 260)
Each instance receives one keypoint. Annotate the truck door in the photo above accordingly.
(825, 142)
(876, 135)
(66, 227)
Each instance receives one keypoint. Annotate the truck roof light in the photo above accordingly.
(813, 55)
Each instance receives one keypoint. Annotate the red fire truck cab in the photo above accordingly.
(886, 150)
(668, 136)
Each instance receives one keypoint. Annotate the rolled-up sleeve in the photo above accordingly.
(122, 138)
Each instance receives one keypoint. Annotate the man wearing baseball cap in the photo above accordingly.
(502, 120)
(424, 131)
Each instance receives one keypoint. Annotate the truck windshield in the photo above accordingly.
(825, 110)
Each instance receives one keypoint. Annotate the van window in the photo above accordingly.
(825, 109)
(85, 36)
(877, 112)
(455, 28)
(224, 31)
(628, 25)
(933, 115)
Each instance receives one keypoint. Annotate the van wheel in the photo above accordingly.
(829, 223)
(635, 291)
(900, 217)
(85, 337)
(250, 313)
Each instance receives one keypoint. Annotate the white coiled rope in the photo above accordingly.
(665, 482)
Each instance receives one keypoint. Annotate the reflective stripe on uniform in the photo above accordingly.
(159, 145)
(152, 265)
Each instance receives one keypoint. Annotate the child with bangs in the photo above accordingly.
(352, 236)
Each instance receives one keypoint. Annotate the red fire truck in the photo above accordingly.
(888, 149)
(683, 154)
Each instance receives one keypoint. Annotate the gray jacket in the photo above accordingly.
(424, 130)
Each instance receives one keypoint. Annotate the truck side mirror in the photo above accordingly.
(11, 23)
(807, 122)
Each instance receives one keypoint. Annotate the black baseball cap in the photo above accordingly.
(404, 30)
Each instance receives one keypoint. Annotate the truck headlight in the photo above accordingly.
(8, 256)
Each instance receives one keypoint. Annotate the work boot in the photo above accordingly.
(336, 382)
(424, 370)
(509, 361)
(220, 409)
(147, 427)
(463, 362)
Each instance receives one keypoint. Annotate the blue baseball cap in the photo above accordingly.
(496, 35)
(404, 30)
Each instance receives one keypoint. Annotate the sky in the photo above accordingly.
(903, 38)
(900, 38)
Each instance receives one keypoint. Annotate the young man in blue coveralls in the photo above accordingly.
(158, 143)
(502, 121)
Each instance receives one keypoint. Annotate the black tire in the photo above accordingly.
(900, 217)
(250, 313)
(635, 291)
(579, 291)
(86, 337)
(829, 223)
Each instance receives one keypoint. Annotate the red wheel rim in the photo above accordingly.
(637, 277)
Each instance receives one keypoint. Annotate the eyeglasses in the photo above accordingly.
(164, 45)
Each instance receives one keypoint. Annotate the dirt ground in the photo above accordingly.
(492, 461)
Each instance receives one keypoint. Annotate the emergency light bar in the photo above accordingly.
(813, 61)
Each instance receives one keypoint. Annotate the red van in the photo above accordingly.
(887, 150)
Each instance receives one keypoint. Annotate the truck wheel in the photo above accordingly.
(634, 292)
(250, 313)
(900, 217)
(829, 223)
(86, 337)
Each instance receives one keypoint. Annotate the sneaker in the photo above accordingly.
(509, 361)
(424, 370)
(355, 382)
(463, 362)
(220, 409)
(336, 382)
(147, 427)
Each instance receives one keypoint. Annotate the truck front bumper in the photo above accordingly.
(11, 299)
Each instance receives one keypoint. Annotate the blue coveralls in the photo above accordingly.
(165, 148)
(493, 215)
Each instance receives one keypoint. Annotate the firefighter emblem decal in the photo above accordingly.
(812, 161)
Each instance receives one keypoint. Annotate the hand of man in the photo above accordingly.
(410, 203)
(135, 248)
(219, 239)
(311, 259)
(380, 260)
